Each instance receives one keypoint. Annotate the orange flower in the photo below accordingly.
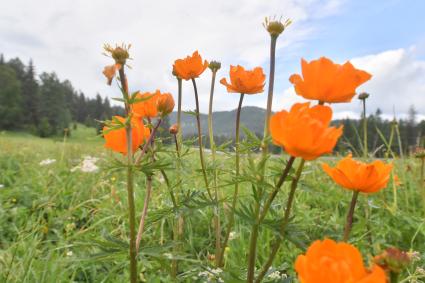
(165, 104)
(116, 140)
(326, 81)
(304, 131)
(358, 176)
(148, 107)
(245, 81)
(330, 262)
(190, 67)
(109, 72)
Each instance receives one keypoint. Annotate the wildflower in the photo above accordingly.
(304, 131)
(174, 129)
(165, 104)
(1, 186)
(245, 81)
(393, 260)
(116, 139)
(146, 108)
(358, 176)
(326, 81)
(109, 72)
(88, 165)
(232, 235)
(330, 262)
(47, 161)
(69, 253)
(190, 67)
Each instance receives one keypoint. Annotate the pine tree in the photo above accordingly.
(30, 97)
(10, 99)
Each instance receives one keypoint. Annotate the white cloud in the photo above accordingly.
(67, 37)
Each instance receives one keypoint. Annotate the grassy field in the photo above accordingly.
(60, 224)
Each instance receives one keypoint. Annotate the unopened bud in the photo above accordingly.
(165, 104)
(393, 260)
(214, 66)
(363, 96)
(174, 129)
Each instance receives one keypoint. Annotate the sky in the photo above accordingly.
(384, 37)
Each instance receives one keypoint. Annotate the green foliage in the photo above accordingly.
(10, 99)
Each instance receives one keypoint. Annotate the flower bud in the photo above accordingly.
(118, 53)
(363, 96)
(276, 27)
(393, 259)
(165, 104)
(214, 66)
(174, 129)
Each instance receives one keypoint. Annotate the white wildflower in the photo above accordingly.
(88, 165)
(69, 253)
(47, 161)
(168, 255)
(232, 236)
(1, 186)
(276, 275)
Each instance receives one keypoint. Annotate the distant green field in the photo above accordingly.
(60, 224)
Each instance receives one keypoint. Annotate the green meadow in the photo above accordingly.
(63, 219)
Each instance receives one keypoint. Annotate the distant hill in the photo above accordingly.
(224, 121)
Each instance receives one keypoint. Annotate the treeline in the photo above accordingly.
(45, 105)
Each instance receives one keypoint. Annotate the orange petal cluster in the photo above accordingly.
(147, 108)
(330, 262)
(109, 72)
(304, 131)
(326, 81)
(358, 176)
(190, 67)
(245, 81)
(116, 140)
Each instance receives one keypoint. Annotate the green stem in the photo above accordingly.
(253, 244)
(278, 241)
(273, 194)
(270, 93)
(236, 191)
(365, 147)
(177, 225)
(201, 151)
(179, 111)
(394, 277)
(212, 147)
(130, 184)
(349, 221)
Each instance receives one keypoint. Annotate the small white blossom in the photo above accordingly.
(88, 165)
(47, 161)
(1, 186)
(168, 255)
(232, 236)
(69, 253)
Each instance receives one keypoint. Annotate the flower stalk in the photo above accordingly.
(236, 190)
(214, 66)
(130, 182)
(201, 151)
(278, 241)
(350, 215)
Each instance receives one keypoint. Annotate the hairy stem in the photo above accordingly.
(217, 226)
(179, 111)
(270, 93)
(236, 191)
(201, 151)
(349, 221)
(365, 150)
(278, 241)
(130, 183)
